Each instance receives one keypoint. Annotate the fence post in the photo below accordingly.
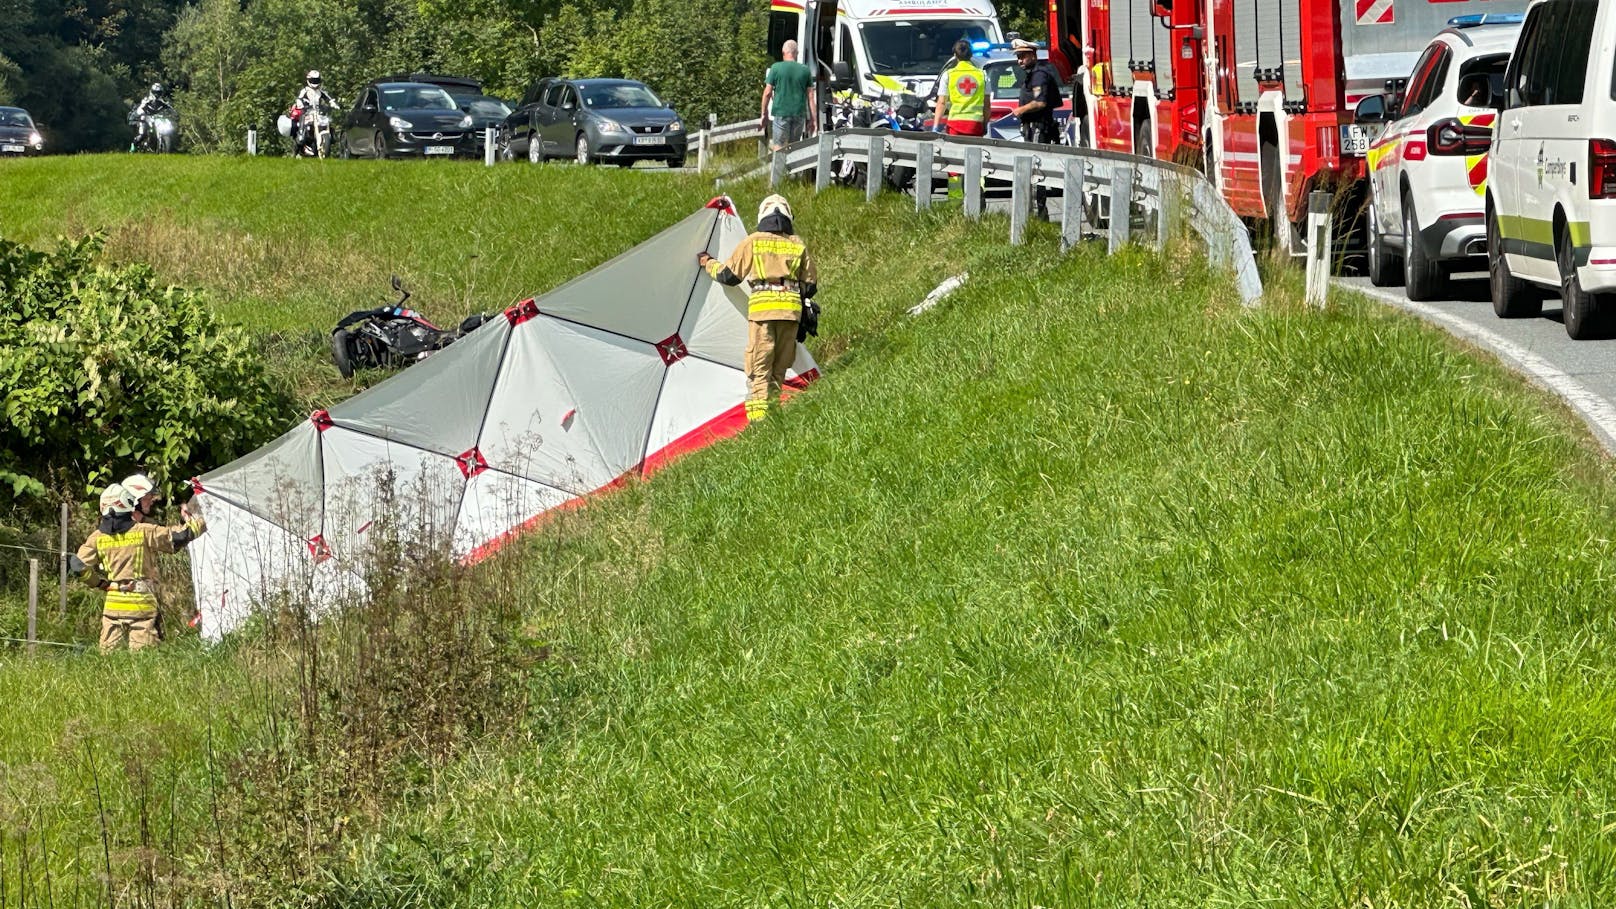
(827, 145)
(1121, 205)
(777, 168)
(874, 168)
(925, 165)
(1072, 204)
(1020, 198)
(252, 141)
(488, 146)
(973, 182)
(1319, 241)
(61, 566)
(701, 151)
(33, 604)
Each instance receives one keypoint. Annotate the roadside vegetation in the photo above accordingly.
(1088, 587)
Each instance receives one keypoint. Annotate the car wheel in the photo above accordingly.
(1422, 278)
(677, 162)
(1512, 297)
(340, 354)
(379, 150)
(1587, 316)
(1384, 269)
(535, 150)
(344, 150)
(502, 146)
(583, 155)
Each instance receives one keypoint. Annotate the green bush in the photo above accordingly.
(103, 371)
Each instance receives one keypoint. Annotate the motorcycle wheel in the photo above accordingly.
(341, 352)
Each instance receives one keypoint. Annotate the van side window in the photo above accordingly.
(1566, 74)
(1527, 51)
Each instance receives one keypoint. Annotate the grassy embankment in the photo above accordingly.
(1088, 588)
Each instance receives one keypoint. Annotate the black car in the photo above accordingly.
(407, 120)
(18, 135)
(590, 120)
(485, 110)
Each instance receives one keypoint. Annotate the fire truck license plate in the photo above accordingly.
(1355, 139)
(440, 149)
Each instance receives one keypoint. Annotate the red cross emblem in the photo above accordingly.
(967, 85)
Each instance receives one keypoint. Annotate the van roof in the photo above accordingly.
(905, 9)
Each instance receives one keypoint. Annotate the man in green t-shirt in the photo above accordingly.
(790, 85)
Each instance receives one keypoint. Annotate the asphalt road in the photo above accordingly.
(1581, 372)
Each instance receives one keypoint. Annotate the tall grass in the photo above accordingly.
(1089, 587)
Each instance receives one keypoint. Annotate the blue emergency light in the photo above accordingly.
(980, 46)
(1487, 19)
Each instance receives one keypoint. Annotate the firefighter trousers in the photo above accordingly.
(770, 348)
(139, 630)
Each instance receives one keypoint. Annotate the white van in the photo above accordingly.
(889, 46)
(1551, 192)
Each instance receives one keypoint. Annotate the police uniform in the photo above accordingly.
(781, 275)
(1040, 85)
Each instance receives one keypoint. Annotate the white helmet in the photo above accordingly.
(313, 78)
(773, 204)
(115, 499)
(138, 485)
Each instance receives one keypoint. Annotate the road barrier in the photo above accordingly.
(712, 135)
(1161, 199)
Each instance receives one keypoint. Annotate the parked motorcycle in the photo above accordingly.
(161, 132)
(391, 337)
(902, 112)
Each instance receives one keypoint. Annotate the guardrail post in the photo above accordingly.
(1151, 184)
(973, 183)
(1020, 198)
(873, 169)
(777, 168)
(702, 143)
(488, 147)
(1319, 241)
(925, 165)
(252, 141)
(1072, 204)
(1167, 189)
(1121, 205)
(827, 145)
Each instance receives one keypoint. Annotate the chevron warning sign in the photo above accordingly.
(1376, 12)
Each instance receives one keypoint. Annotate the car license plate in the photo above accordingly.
(650, 140)
(14, 149)
(440, 149)
(1356, 138)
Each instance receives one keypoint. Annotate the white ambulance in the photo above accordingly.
(884, 46)
(1551, 190)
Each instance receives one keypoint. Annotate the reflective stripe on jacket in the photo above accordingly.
(127, 561)
(967, 92)
(778, 269)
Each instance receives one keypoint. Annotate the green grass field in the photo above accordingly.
(1088, 588)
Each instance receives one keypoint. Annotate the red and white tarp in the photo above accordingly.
(613, 373)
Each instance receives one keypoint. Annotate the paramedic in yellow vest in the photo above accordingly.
(774, 262)
(120, 557)
(963, 108)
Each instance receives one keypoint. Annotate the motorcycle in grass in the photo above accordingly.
(392, 337)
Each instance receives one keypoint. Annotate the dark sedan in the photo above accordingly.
(485, 111)
(590, 120)
(18, 135)
(407, 120)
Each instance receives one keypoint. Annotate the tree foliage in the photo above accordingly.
(103, 371)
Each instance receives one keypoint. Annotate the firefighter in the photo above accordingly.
(120, 557)
(966, 97)
(774, 261)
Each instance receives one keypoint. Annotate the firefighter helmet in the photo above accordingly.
(115, 499)
(139, 485)
(774, 204)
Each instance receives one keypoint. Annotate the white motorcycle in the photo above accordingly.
(313, 128)
(161, 134)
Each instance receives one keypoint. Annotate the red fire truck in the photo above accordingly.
(1259, 93)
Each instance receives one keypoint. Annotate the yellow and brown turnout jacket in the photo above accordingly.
(120, 557)
(779, 270)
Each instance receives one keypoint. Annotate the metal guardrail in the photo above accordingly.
(714, 136)
(1161, 199)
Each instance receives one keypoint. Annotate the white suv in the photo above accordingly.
(1428, 170)
(1551, 199)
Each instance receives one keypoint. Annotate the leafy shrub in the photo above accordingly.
(103, 372)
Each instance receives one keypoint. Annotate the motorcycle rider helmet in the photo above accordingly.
(774, 204)
(312, 80)
(115, 499)
(158, 89)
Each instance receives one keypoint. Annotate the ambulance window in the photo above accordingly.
(846, 52)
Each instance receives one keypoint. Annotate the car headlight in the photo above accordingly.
(36, 140)
(610, 126)
(676, 127)
(400, 123)
(465, 122)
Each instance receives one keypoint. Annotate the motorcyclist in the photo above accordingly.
(156, 101)
(310, 99)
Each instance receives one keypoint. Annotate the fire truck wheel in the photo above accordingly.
(1512, 297)
(1423, 279)
(1384, 268)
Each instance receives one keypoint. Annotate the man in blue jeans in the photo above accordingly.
(789, 84)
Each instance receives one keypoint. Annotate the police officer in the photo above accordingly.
(120, 557)
(964, 98)
(1040, 96)
(774, 261)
